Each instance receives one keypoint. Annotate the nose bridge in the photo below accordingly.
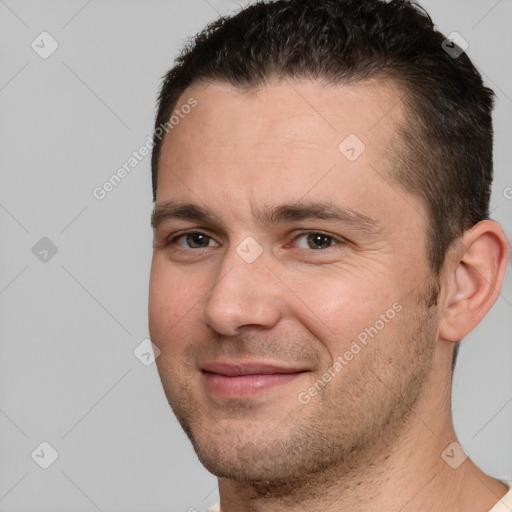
(244, 292)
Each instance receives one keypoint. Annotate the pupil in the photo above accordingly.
(196, 239)
(320, 240)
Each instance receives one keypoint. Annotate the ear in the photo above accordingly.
(473, 277)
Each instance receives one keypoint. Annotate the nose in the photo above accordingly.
(243, 294)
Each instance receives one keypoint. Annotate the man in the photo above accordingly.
(321, 173)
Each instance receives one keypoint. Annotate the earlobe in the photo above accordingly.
(473, 279)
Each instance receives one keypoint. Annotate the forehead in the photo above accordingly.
(283, 141)
(300, 109)
(290, 122)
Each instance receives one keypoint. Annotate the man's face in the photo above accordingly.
(252, 311)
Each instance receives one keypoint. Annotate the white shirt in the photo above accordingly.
(503, 505)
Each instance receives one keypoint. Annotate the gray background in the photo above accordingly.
(69, 325)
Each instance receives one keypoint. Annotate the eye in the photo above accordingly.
(193, 240)
(317, 240)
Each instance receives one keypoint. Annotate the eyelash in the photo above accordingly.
(174, 239)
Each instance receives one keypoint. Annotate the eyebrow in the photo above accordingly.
(272, 215)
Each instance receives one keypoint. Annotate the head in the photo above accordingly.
(276, 88)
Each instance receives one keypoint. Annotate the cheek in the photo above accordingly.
(336, 308)
(173, 304)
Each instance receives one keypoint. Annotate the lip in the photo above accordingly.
(243, 380)
(233, 369)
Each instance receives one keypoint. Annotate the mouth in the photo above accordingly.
(243, 380)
